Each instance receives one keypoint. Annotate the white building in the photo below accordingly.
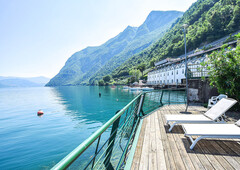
(171, 71)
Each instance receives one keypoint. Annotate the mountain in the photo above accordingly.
(207, 20)
(92, 63)
(23, 82)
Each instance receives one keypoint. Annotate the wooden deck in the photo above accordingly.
(159, 149)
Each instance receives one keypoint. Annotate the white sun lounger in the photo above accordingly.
(214, 99)
(211, 116)
(211, 131)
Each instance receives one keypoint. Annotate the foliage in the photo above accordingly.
(106, 78)
(101, 83)
(141, 67)
(92, 63)
(132, 79)
(224, 71)
(135, 73)
(145, 77)
(152, 62)
(208, 20)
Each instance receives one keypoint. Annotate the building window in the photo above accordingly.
(168, 81)
(172, 80)
(164, 74)
(177, 81)
(182, 71)
(172, 72)
(177, 71)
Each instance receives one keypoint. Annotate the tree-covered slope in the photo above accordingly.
(94, 62)
(149, 32)
(208, 20)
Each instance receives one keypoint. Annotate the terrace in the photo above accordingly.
(158, 149)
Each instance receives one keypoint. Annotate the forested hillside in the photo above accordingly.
(148, 33)
(208, 20)
(90, 64)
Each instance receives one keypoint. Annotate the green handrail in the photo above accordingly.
(71, 157)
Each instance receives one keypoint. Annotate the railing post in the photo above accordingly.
(96, 151)
(161, 97)
(141, 104)
(111, 141)
(169, 97)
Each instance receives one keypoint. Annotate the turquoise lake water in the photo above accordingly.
(71, 114)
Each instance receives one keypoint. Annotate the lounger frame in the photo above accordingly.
(217, 119)
(172, 124)
(194, 142)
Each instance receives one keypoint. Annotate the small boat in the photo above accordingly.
(141, 88)
(125, 87)
(147, 89)
(135, 88)
(113, 86)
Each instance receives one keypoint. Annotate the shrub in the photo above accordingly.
(101, 83)
(224, 71)
(107, 78)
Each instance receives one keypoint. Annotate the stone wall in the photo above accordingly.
(200, 91)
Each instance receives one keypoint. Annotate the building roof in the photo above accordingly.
(166, 61)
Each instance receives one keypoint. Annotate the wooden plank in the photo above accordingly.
(152, 146)
(177, 158)
(215, 163)
(195, 161)
(137, 154)
(218, 156)
(233, 145)
(184, 148)
(145, 154)
(157, 149)
(161, 163)
(230, 153)
(181, 149)
(167, 151)
(204, 161)
(222, 152)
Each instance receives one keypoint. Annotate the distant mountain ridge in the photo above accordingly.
(91, 63)
(23, 81)
(207, 20)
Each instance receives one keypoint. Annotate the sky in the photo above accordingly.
(38, 36)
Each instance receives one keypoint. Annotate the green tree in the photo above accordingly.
(135, 73)
(101, 83)
(224, 71)
(141, 67)
(152, 62)
(107, 78)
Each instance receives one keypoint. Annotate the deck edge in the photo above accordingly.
(134, 145)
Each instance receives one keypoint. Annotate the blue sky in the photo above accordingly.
(38, 36)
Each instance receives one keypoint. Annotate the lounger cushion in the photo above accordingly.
(211, 129)
(187, 118)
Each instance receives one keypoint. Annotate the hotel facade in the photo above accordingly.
(171, 71)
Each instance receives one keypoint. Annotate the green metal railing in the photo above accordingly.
(109, 146)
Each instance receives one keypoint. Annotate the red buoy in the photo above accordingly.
(40, 112)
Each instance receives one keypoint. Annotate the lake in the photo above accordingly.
(71, 114)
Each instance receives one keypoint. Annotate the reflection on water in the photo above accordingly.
(71, 114)
(84, 103)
